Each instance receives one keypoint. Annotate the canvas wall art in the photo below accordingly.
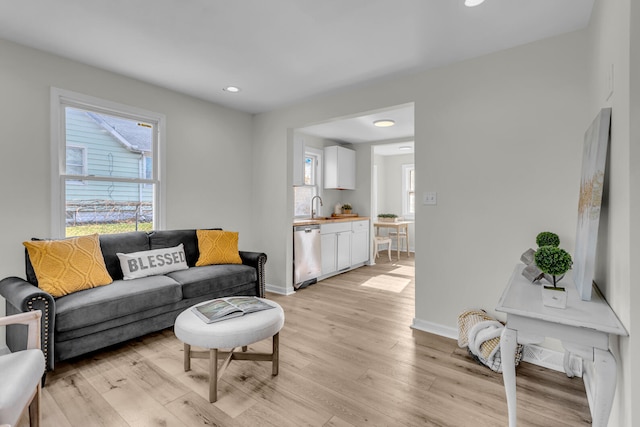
(596, 141)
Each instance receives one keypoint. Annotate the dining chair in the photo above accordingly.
(399, 237)
(21, 373)
(381, 241)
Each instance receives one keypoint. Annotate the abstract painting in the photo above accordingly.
(594, 156)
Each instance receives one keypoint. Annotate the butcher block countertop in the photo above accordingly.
(328, 220)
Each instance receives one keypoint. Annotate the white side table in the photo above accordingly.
(228, 334)
(583, 327)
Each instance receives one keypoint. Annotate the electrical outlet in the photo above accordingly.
(430, 198)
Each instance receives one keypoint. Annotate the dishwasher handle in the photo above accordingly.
(306, 228)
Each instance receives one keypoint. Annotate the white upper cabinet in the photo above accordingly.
(339, 168)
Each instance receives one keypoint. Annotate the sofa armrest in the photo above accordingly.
(21, 296)
(256, 260)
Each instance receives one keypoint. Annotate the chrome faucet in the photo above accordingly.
(313, 212)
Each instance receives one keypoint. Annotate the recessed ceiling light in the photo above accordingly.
(384, 123)
(472, 3)
(405, 147)
(232, 89)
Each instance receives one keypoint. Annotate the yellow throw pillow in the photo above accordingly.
(217, 247)
(66, 266)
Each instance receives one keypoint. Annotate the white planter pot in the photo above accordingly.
(554, 297)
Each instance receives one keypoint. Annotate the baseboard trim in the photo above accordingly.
(435, 328)
(534, 354)
(278, 290)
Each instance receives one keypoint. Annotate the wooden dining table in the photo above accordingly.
(398, 226)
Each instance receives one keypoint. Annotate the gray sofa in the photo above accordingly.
(95, 318)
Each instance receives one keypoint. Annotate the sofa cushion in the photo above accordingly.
(70, 265)
(212, 279)
(153, 262)
(121, 298)
(111, 244)
(218, 247)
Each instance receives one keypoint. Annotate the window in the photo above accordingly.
(302, 195)
(114, 151)
(408, 191)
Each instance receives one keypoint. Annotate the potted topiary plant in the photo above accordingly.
(553, 261)
(531, 271)
(346, 208)
(547, 238)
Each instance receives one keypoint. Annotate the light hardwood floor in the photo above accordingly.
(348, 357)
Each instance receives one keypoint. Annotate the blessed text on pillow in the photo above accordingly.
(150, 263)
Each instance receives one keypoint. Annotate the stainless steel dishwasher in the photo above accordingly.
(306, 255)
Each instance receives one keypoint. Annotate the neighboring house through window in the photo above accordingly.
(113, 150)
(408, 191)
(312, 183)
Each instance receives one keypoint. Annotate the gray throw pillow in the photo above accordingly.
(150, 263)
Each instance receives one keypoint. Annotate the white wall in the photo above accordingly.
(610, 39)
(631, 348)
(209, 173)
(498, 137)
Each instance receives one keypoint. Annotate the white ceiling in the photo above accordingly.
(279, 51)
(394, 149)
(361, 129)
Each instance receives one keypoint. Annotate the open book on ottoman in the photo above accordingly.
(228, 308)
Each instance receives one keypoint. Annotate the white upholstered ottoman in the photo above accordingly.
(228, 334)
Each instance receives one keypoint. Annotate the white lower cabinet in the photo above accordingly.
(335, 246)
(328, 249)
(343, 245)
(359, 242)
(343, 252)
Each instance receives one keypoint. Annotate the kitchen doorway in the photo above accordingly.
(393, 190)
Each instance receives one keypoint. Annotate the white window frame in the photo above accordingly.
(317, 153)
(406, 169)
(61, 98)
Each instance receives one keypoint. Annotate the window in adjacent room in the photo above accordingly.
(408, 191)
(113, 150)
(312, 183)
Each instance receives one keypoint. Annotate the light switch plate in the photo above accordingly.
(430, 198)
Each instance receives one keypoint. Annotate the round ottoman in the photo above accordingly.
(228, 334)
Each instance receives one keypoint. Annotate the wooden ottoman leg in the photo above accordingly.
(213, 375)
(187, 357)
(276, 354)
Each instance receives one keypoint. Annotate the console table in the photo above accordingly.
(583, 327)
